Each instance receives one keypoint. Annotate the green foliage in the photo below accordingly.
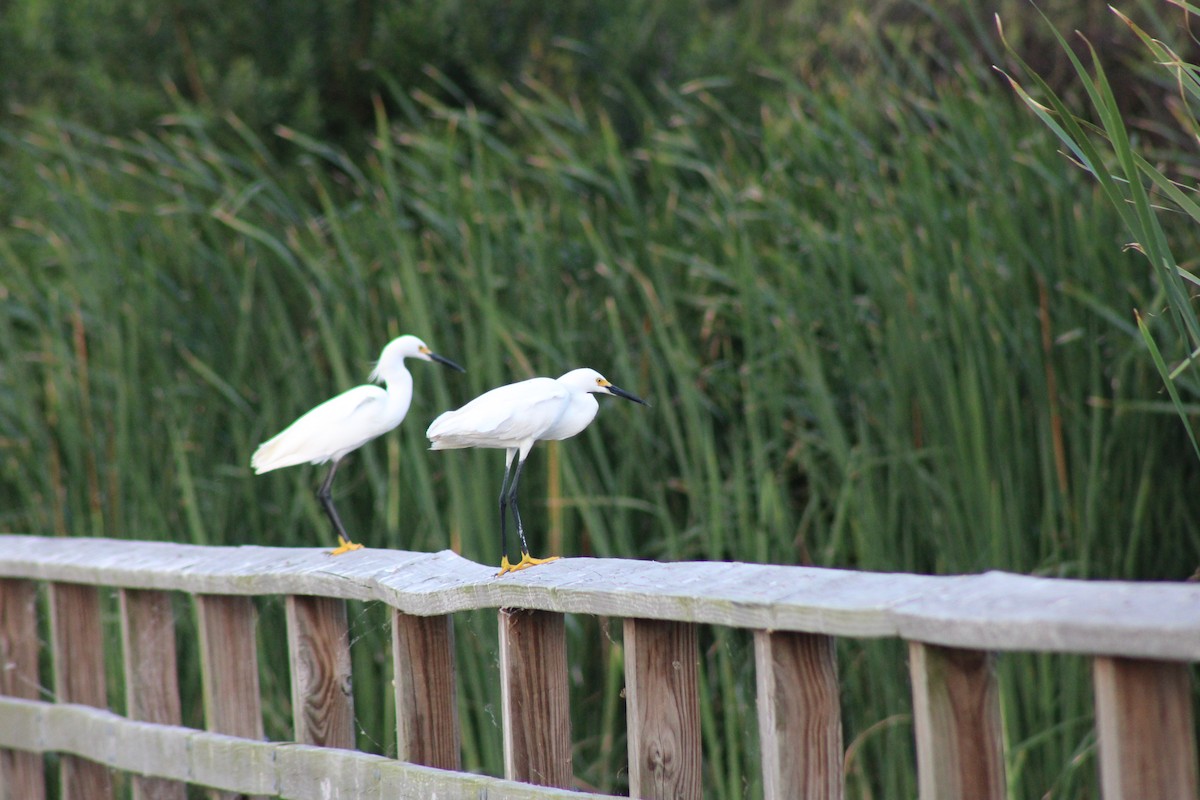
(1134, 186)
(316, 66)
(882, 323)
(320, 65)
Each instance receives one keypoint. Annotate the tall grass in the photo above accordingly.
(1138, 188)
(883, 325)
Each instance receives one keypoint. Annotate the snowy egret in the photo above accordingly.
(515, 416)
(344, 423)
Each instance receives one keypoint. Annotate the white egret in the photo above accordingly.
(344, 423)
(515, 416)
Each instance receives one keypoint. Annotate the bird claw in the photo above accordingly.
(344, 546)
(525, 562)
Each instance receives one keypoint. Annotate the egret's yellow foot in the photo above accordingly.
(344, 546)
(525, 562)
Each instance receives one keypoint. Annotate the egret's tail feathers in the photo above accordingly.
(271, 455)
(448, 432)
(438, 426)
(436, 432)
(263, 459)
(446, 442)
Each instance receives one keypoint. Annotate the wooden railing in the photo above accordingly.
(1141, 637)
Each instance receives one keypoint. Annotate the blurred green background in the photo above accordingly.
(883, 322)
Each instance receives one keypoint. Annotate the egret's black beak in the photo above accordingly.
(446, 361)
(619, 392)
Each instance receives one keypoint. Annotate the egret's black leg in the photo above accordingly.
(512, 501)
(325, 496)
(504, 514)
(511, 495)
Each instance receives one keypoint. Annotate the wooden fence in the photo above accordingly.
(1141, 638)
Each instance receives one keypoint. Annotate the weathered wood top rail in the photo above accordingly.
(1140, 638)
(991, 611)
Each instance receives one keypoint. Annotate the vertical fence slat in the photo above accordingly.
(319, 653)
(151, 674)
(799, 715)
(229, 668)
(21, 774)
(956, 713)
(535, 698)
(663, 709)
(229, 665)
(1145, 729)
(427, 730)
(77, 641)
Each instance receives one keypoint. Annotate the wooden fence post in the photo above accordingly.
(663, 710)
(956, 713)
(535, 698)
(799, 715)
(229, 667)
(427, 731)
(79, 677)
(1144, 726)
(21, 774)
(151, 674)
(319, 654)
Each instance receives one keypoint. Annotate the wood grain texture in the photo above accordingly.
(22, 776)
(229, 668)
(799, 716)
(992, 611)
(662, 710)
(956, 714)
(427, 730)
(1145, 729)
(229, 665)
(535, 698)
(956, 616)
(319, 654)
(77, 641)
(151, 674)
(243, 766)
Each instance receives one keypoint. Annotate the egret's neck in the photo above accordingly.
(586, 405)
(576, 415)
(399, 392)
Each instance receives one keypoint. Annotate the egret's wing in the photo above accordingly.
(332, 429)
(501, 417)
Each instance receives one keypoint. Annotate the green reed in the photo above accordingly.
(883, 325)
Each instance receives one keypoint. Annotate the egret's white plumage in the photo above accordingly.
(345, 423)
(513, 418)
